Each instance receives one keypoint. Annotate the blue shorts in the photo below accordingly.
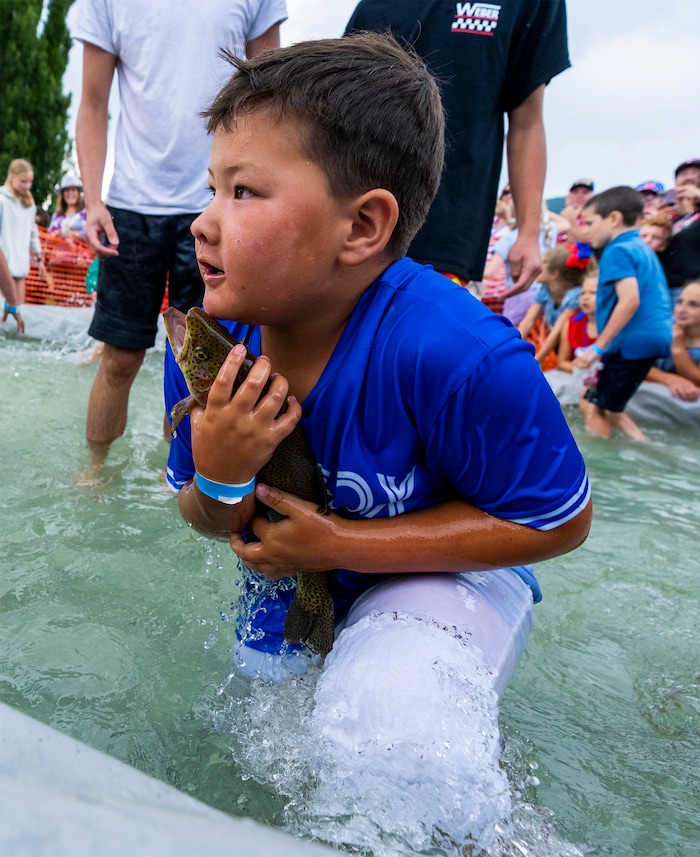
(263, 603)
(618, 381)
(154, 251)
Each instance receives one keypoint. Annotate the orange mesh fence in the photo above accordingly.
(67, 261)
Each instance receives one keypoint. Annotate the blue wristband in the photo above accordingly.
(11, 309)
(222, 491)
(597, 349)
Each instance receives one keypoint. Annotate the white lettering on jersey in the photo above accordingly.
(368, 506)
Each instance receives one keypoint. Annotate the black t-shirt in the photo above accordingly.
(488, 57)
(681, 260)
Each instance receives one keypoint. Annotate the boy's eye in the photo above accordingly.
(212, 191)
(242, 192)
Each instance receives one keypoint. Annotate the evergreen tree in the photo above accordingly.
(34, 46)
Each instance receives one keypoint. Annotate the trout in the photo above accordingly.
(200, 345)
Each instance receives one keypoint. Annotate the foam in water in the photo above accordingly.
(348, 774)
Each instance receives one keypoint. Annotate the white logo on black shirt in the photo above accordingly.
(476, 18)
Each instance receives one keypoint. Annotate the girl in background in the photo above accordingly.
(69, 216)
(681, 371)
(556, 299)
(580, 330)
(18, 231)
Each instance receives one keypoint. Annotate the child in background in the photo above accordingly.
(633, 311)
(556, 298)
(318, 189)
(493, 287)
(580, 331)
(18, 230)
(681, 371)
(656, 232)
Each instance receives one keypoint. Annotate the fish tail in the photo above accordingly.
(311, 624)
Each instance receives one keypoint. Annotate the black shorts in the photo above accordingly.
(618, 381)
(153, 250)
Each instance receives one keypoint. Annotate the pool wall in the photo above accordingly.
(61, 797)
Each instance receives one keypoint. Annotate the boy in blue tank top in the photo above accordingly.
(442, 445)
(633, 311)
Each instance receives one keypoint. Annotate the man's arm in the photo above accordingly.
(267, 42)
(91, 143)
(527, 163)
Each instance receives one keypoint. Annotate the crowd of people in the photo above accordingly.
(358, 263)
(668, 222)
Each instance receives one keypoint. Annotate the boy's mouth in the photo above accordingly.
(209, 269)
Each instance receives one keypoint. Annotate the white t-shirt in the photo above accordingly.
(169, 70)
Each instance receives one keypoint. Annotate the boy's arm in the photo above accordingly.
(627, 304)
(232, 439)
(452, 536)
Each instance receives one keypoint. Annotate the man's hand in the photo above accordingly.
(99, 229)
(525, 264)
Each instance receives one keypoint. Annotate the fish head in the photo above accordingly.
(200, 346)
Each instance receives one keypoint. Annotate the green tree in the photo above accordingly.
(34, 46)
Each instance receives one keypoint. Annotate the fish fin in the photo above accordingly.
(315, 630)
(180, 411)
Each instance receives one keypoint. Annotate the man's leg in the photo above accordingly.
(109, 399)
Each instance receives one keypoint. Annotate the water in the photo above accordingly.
(116, 625)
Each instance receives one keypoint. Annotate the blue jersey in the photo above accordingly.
(428, 396)
(648, 332)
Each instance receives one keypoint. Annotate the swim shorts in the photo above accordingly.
(618, 381)
(154, 251)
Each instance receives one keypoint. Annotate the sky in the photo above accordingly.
(627, 110)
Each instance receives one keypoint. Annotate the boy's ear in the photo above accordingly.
(374, 218)
(616, 219)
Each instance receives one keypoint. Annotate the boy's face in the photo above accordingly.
(267, 244)
(655, 236)
(599, 230)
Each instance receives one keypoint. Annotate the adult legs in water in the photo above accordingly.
(109, 400)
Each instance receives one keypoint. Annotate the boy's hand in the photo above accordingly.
(299, 542)
(588, 358)
(233, 437)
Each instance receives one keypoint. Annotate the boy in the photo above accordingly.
(442, 446)
(633, 311)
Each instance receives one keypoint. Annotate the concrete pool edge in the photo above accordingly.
(60, 797)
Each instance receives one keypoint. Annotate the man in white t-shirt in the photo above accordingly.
(168, 64)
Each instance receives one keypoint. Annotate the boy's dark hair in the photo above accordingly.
(625, 199)
(371, 113)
